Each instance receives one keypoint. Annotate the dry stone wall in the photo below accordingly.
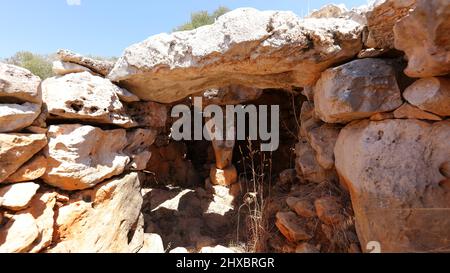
(372, 159)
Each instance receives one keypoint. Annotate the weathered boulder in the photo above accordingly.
(14, 117)
(430, 94)
(399, 191)
(17, 149)
(409, 111)
(423, 36)
(98, 66)
(262, 49)
(329, 11)
(381, 19)
(18, 234)
(41, 208)
(18, 85)
(17, 196)
(32, 170)
(82, 96)
(147, 114)
(356, 90)
(104, 219)
(79, 157)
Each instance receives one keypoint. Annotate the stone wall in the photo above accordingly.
(372, 159)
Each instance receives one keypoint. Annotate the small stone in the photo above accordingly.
(291, 227)
(216, 249)
(179, 250)
(32, 170)
(18, 196)
(303, 208)
(329, 210)
(99, 66)
(430, 94)
(408, 111)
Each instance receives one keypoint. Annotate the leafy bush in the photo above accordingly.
(39, 65)
(202, 18)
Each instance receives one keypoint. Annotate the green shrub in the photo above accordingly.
(202, 18)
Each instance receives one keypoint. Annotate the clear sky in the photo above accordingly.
(107, 27)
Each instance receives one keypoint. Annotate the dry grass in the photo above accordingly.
(258, 181)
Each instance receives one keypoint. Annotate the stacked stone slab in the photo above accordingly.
(99, 139)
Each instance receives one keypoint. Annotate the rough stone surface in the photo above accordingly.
(306, 248)
(290, 226)
(17, 149)
(245, 46)
(307, 165)
(303, 208)
(409, 111)
(18, 85)
(17, 196)
(430, 94)
(104, 219)
(82, 96)
(400, 193)
(18, 235)
(99, 66)
(62, 68)
(356, 90)
(79, 157)
(231, 95)
(14, 117)
(423, 36)
(41, 208)
(381, 20)
(329, 210)
(30, 171)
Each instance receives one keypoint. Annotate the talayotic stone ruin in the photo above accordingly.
(87, 162)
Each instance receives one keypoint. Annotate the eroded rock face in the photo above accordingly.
(245, 46)
(381, 20)
(62, 68)
(18, 85)
(104, 219)
(80, 157)
(14, 117)
(18, 235)
(423, 36)
(20, 98)
(17, 196)
(17, 149)
(32, 170)
(98, 66)
(400, 193)
(231, 95)
(356, 90)
(430, 94)
(82, 96)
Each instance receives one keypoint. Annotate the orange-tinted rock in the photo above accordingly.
(399, 191)
(291, 227)
(412, 112)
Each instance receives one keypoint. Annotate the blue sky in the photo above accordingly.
(106, 27)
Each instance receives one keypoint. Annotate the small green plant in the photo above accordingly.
(202, 18)
(40, 65)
